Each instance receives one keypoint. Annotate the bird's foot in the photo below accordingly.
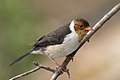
(63, 69)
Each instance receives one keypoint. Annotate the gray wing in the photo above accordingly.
(55, 37)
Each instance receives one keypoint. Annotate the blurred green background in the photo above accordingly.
(22, 21)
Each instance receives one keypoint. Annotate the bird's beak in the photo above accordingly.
(88, 28)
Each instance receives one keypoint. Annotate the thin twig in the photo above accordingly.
(38, 66)
(97, 26)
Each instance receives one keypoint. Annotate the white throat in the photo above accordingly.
(72, 27)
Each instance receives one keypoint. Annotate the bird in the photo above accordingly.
(60, 42)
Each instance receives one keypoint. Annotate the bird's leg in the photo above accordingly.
(55, 62)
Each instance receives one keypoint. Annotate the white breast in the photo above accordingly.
(68, 46)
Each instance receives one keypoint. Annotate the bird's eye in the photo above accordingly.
(81, 26)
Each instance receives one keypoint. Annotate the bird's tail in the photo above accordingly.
(21, 57)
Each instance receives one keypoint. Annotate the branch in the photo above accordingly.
(57, 72)
(97, 26)
(38, 66)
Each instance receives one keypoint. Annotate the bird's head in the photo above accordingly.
(81, 27)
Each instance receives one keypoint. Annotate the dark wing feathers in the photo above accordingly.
(55, 37)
